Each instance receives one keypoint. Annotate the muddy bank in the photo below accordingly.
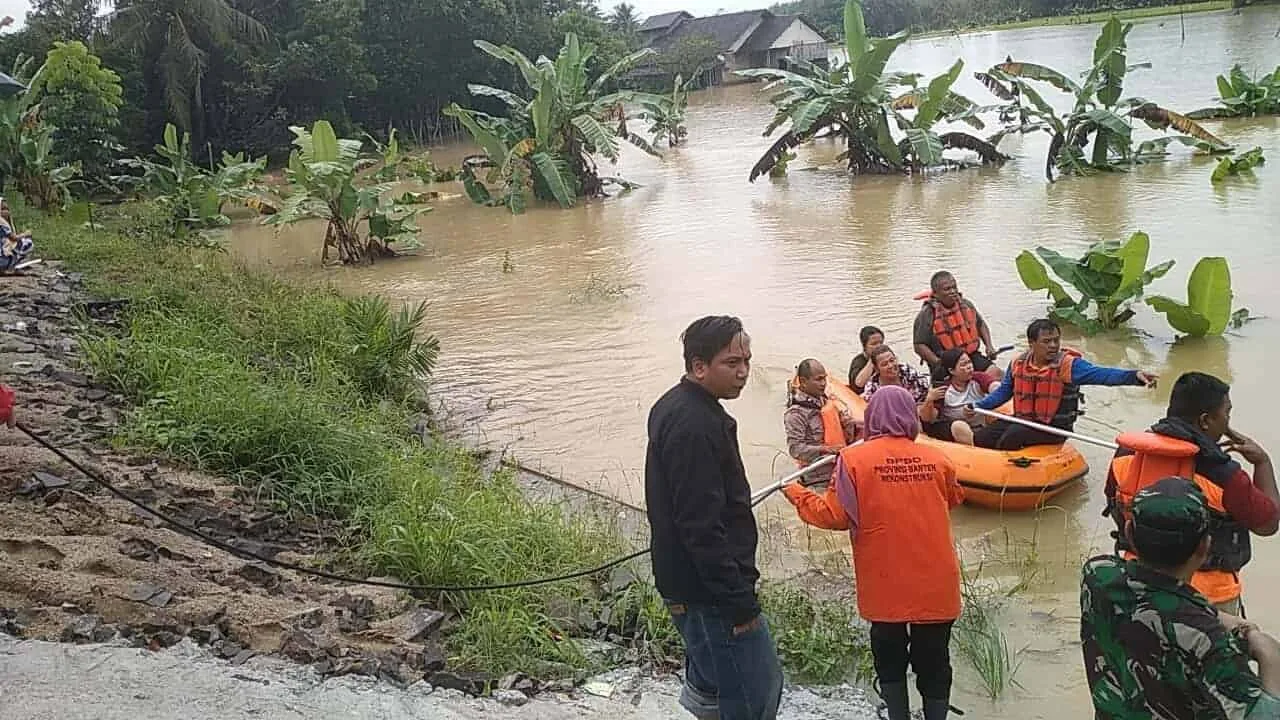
(45, 681)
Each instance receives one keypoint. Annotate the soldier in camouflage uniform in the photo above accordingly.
(1154, 648)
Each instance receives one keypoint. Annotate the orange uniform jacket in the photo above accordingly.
(904, 556)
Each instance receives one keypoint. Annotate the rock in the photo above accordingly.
(164, 639)
(433, 658)
(81, 629)
(349, 623)
(142, 592)
(40, 482)
(228, 649)
(511, 698)
(260, 575)
(422, 623)
(469, 683)
(305, 647)
(95, 394)
(242, 657)
(558, 686)
(598, 688)
(103, 633)
(359, 605)
(600, 653)
(422, 687)
(73, 379)
(160, 599)
(310, 619)
(619, 580)
(207, 635)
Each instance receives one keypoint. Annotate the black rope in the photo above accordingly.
(228, 548)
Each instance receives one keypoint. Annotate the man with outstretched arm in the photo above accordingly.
(1188, 441)
(703, 534)
(1044, 383)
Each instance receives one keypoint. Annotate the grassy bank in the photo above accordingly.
(1094, 17)
(307, 397)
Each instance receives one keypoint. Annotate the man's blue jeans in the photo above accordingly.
(727, 676)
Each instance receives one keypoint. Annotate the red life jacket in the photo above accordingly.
(956, 326)
(1155, 457)
(1045, 394)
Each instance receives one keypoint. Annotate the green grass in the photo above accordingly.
(273, 385)
(307, 397)
(978, 639)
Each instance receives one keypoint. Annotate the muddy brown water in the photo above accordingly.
(561, 357)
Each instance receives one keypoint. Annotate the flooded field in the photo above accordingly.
(560, 328)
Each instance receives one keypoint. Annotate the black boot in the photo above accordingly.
(936, 709)
(895, 699)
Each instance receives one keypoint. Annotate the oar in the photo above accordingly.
(1048, 428)
(760, 495)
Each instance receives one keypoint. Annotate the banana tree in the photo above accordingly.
(1243, 96)
(922, 147)
(361, 222)
(665, 114)
(1097, 134)
(1209, 297)
(860, 103)
(1109, 276)
(546, 145)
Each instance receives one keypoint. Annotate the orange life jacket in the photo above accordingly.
(956, 326)
(1046, 394)
(904, 555)
(1156, 457)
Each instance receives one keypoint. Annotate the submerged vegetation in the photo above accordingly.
(1244, 96)
(1097, 134)
(861, 104)
(1241, 164)
(1111, 276)
(546, 145)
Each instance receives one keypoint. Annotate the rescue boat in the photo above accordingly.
(1012, 480)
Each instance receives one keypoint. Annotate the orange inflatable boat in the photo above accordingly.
(997, 479)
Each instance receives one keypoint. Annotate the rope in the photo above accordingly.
(245, 554)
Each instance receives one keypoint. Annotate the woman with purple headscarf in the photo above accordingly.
(894, 496)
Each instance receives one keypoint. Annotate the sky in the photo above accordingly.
(17, 9)
(698, 8)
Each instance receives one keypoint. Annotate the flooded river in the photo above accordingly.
(561, 357)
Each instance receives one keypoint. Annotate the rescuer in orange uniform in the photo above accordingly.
(815, 424)
(1186, 443)
(895, 495)
(948, 320)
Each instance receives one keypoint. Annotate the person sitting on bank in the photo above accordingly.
(14, 246)
(964, 387)
(815, 424)
(890, 372)
(947, 320)
(895, 496)
(861, 369)
(1199, 416)
(1044, 383)
(1153, 646)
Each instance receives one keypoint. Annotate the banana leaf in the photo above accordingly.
(1209, 292)
(964, 141)
(1162, 119)
(512, 57)
(597, 137)
(1110, 63)
(1032, 71)
(855, 31)
(806, 114)
(936, 96)
(1180, 316)
(869, 69)
(996, 87)
(925, 147)
(550, 174)
(1035, 277)
(620, 67)
(1073, 316)
(776, 152)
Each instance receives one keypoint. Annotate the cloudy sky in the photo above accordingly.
(17, 9)
(645, 8)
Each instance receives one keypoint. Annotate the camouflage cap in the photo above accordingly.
(1173, 504)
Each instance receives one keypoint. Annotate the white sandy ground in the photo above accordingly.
(51, 681)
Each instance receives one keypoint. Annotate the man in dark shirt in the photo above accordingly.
(948, 320)
(1154, 648)
(703, 533)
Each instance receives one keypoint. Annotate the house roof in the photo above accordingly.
(663, 21)
(771, 29)
(724, 29)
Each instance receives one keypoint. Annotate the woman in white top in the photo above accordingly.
(964, 387)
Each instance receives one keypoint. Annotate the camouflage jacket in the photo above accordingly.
(1154, 649)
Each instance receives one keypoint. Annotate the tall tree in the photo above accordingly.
(624, 19)
(174, 40)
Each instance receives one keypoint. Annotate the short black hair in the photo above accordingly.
(938, 277)
(706, 337)
(805, 368)
(868, 331)
(1040, 326)
(875, 354)
(1196, 394)
(1164, 549)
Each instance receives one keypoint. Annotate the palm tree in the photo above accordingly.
(624, 19)
(175, 39)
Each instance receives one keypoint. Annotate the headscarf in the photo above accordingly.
(892, 413)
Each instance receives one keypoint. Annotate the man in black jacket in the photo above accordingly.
(704, 533)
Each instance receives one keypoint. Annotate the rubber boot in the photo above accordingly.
(896, 700)
(936, 709)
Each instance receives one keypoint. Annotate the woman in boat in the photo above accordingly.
(895, 496)
(964, 386)
(889, 372)
(861, 369)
